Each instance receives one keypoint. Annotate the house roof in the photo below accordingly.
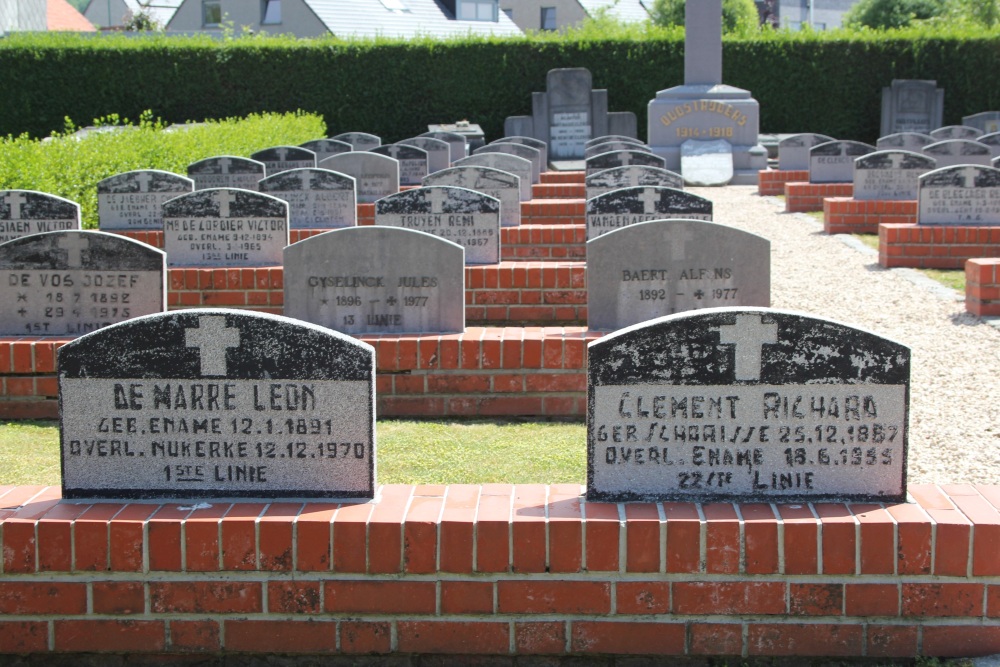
(161, 11)
(60, 15)
(371, 18)
(624, 10)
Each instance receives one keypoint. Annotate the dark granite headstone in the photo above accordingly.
(538, 144)
(24, 212)
(324, 148)
(470, 219)
(623, 159)
(317, 198)
(651, 269)
(993, 141)
(833, 162)
(375, 175)
(631, 176)
(226, 171)
(890, 175)
(627, 206)
(520, 150)
(74, 282)
(518, 166)
(793, 151)
(960, 195)
(751, 404)
(412, 161)
(285, 158)
(955, 132)
(904, 141)
(377, 280)
(360, 141)
(952, 152)
(438, 152)
(217, 403)
(132, 200)
(493, 182)
(225, 227)
(911, 105)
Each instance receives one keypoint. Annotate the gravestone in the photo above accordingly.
(904, 141)
(412, 161)
(217, 403)
(458, 146)
(537, 144)
(707, 163)
(520, 150)
(890, 175)
(993, 141)
(132, 200)
(359, 141)
(612, 146)
(502, 185)
(366, 280)
(986, 122)
(471, 132)
(375, 175)
(24, 212)
(74, 282)
(226, 171)
(793, 151)
(951, 152)
(438, 152)
(911, 105)
(512, 164)
(955, 132)
(603, 139)
(960, 195)
(225, 227)
(317, 198)
(284, 158)
(470, 219)
(324, 148)
(631, 176)
(627, 206)
(623, 159)
(661, 267)
(569, 113)
(756, 405)
(833, 162)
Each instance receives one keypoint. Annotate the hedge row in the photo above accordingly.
(818, 82)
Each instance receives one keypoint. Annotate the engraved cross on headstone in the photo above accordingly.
(74, 245)
(678, 238)
(282, 153)
(224, 164)
(650, 198)
(438, 198)
(15, 200)
(969, 176)
(625, 158)
(393, 151)
(225, 198)
(306, 179)
(212, 338)
(749, 335)
(144, 178)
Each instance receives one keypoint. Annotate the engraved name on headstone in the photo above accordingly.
(24, 212)
(833, 162)
(952, 152)
(627, 206)
(74, 282)
(904, 141)
(631, 176)
(283, 158)
(324, 148)
(225, 227)
(375, 176)
(376, 280)
(457, 143)
(226, 171)
(317, 198)
(752, 404)
(360, 141)
(438, 152)
(518, 166)
(960, 195)
(793, 151)
(890, 175)
(217, 403)
(412, 161)
(132, 200)
(504, 186)
(651, 269)
(623, 159)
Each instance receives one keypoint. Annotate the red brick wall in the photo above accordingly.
(772, 182)
(935, 247)
(982, 286)
(805, 197)
(844, 215)
(503, 570)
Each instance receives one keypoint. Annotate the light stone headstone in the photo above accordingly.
(220, 404)
(707, 163)
(73, 282)
(520, 150)
(132, 200)
(911, 105)
(377, 279)
(651, 269)
(890, 175)
(538, 144)
(955, 132)
(993, 141)
(468, 218)
(904, 141)
(226, 171)
(631, 176)
(458, 145)
(438, 152)
(24, 212)
(360, 141)
(284, 158)
(627, 206)
(747, 404)
(225, 227)
(317, 198)
(793, 151)
(604, 138)
(623, 159)
(833, 162)
(324, 148)
(493, 182)
(412, 161)
(375, 175)
(612, 146)
(960, 195)
(518, 166)
(986, 122)
(951, 152)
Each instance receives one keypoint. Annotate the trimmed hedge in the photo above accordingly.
(819, 82)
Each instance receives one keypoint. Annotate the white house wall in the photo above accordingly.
(527, 14)
(296, 18)
(18, 15)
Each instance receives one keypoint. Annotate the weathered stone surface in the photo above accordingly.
(911, 105)
(512, 164)
(955, 132)
(631, 176)
(793, 151)
(24, 212)
(533, 155)
(226, 171)
(623, 159)
(952, 152)
(133, 200)
(960, 195)
(412, 161)
(627, 206)
(438, 152)
(359, 141)
(284, 158)
(833, 162)
(375, 176)
(317, 198)
(504, 186)
(324, 148)
(890, 175)
(904, 141)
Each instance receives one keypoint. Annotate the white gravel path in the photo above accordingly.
(955, 379)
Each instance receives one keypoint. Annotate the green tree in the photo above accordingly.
(885, 14)
(739, 16)
(983, 12)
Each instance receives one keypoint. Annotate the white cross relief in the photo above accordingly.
(678, 237)
(144, 178)
(969, 175)
(15, 200)
(438, 197)
(74, 245)
(749, 335)
(306, 178)
(212, 338)
(225, 198)
(650, 198)
(282, 153)
(225, 163)
(625, 158)
(393, 151)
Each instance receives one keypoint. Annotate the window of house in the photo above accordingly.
(211, 12)
(548, 18)
(477, 10)
(272, 12)
(509, 13)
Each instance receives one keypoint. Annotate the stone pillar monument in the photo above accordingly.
(704, 109)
